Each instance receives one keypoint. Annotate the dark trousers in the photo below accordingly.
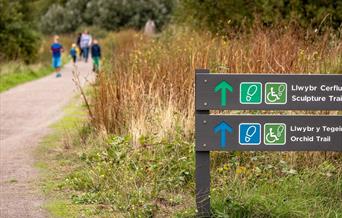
(85, 53)
(81, 51)
(74, 58)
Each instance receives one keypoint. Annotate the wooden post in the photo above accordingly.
(202, 175)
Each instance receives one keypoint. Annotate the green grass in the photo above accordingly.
(308, 194)
(53, 167)
(96, 175)
(15, 72)
(91, 174)
(12, 74)
(73, 159)
(59, 208)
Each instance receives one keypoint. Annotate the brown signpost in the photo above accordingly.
(262, 132)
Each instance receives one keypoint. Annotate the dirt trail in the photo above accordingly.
(26, 112)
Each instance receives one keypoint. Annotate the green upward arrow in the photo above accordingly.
(223, 86)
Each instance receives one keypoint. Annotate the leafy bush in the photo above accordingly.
(218, 15)
(18, 38)
(108, 14)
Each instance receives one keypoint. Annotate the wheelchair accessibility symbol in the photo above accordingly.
(274, 134)
(275, 93)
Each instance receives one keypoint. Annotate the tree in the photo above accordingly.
(108, 14)
(218, 15)
(18, 37)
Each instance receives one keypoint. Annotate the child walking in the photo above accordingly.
(96, 55)
(57, 49)
(73, 53)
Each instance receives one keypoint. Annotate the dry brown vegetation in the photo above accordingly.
(139, 161)
(147, 87)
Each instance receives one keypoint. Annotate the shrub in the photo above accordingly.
(18, 38)
(108, 14)
(59, 20)
(218, 15)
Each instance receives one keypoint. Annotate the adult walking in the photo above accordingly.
(150, 28)
(78, 43)
(85, 44)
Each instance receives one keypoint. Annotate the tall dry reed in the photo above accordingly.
(147, 87)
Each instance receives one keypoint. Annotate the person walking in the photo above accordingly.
(73, 53)
(85, 44)
(150, 28)
(96, 55)
(56, 50)
(78, 43)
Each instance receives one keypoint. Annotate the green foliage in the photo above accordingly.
(218, 15)
(266, 189)
(108, 14)
(157, 180)
(60, 19)
(133, 181)
(42, 6)
(13, 73)
(18, 38)
(105, 176)
(17, 73)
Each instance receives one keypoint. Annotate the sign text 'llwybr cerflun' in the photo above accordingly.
(262, 132)
(268, 92)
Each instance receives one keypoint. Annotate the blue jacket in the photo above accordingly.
(73, 52)
(95, 50)
(56, 49)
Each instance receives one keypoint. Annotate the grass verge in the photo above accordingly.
(15, 72)
(91, 174)
(20, 73)
(54, 161)
(72, 154)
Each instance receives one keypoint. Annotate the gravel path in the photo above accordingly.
(26, 112)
